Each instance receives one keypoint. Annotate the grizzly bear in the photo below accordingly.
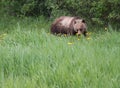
(69, 25)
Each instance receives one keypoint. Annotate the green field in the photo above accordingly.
(31, 57)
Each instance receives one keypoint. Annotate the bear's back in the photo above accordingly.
(66, 21)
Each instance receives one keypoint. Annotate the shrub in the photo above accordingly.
(98, 11)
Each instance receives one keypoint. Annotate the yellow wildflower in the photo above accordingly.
(70, 43)
(4, 34)
(89, 33)
(65, 35)
(76, 34)
(88, 38)
(106, 29)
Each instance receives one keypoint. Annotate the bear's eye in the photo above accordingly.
(75, 22)
(80, 29)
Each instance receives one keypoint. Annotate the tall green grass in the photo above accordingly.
(31, 57)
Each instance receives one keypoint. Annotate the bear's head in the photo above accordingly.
(79, 26)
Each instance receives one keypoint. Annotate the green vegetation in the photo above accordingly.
(96, 11)
(31, 57)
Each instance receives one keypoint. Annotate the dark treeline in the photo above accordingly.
(96, 11)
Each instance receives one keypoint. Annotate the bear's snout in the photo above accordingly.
(79, 33)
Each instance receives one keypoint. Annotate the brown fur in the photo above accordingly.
(69, 25)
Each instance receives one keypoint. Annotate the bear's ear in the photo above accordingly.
(83, 21)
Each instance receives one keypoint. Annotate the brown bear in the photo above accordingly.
(69, 25)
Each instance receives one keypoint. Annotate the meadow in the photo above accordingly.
(31, 57)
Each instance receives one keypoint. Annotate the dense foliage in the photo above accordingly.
(99, 11)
